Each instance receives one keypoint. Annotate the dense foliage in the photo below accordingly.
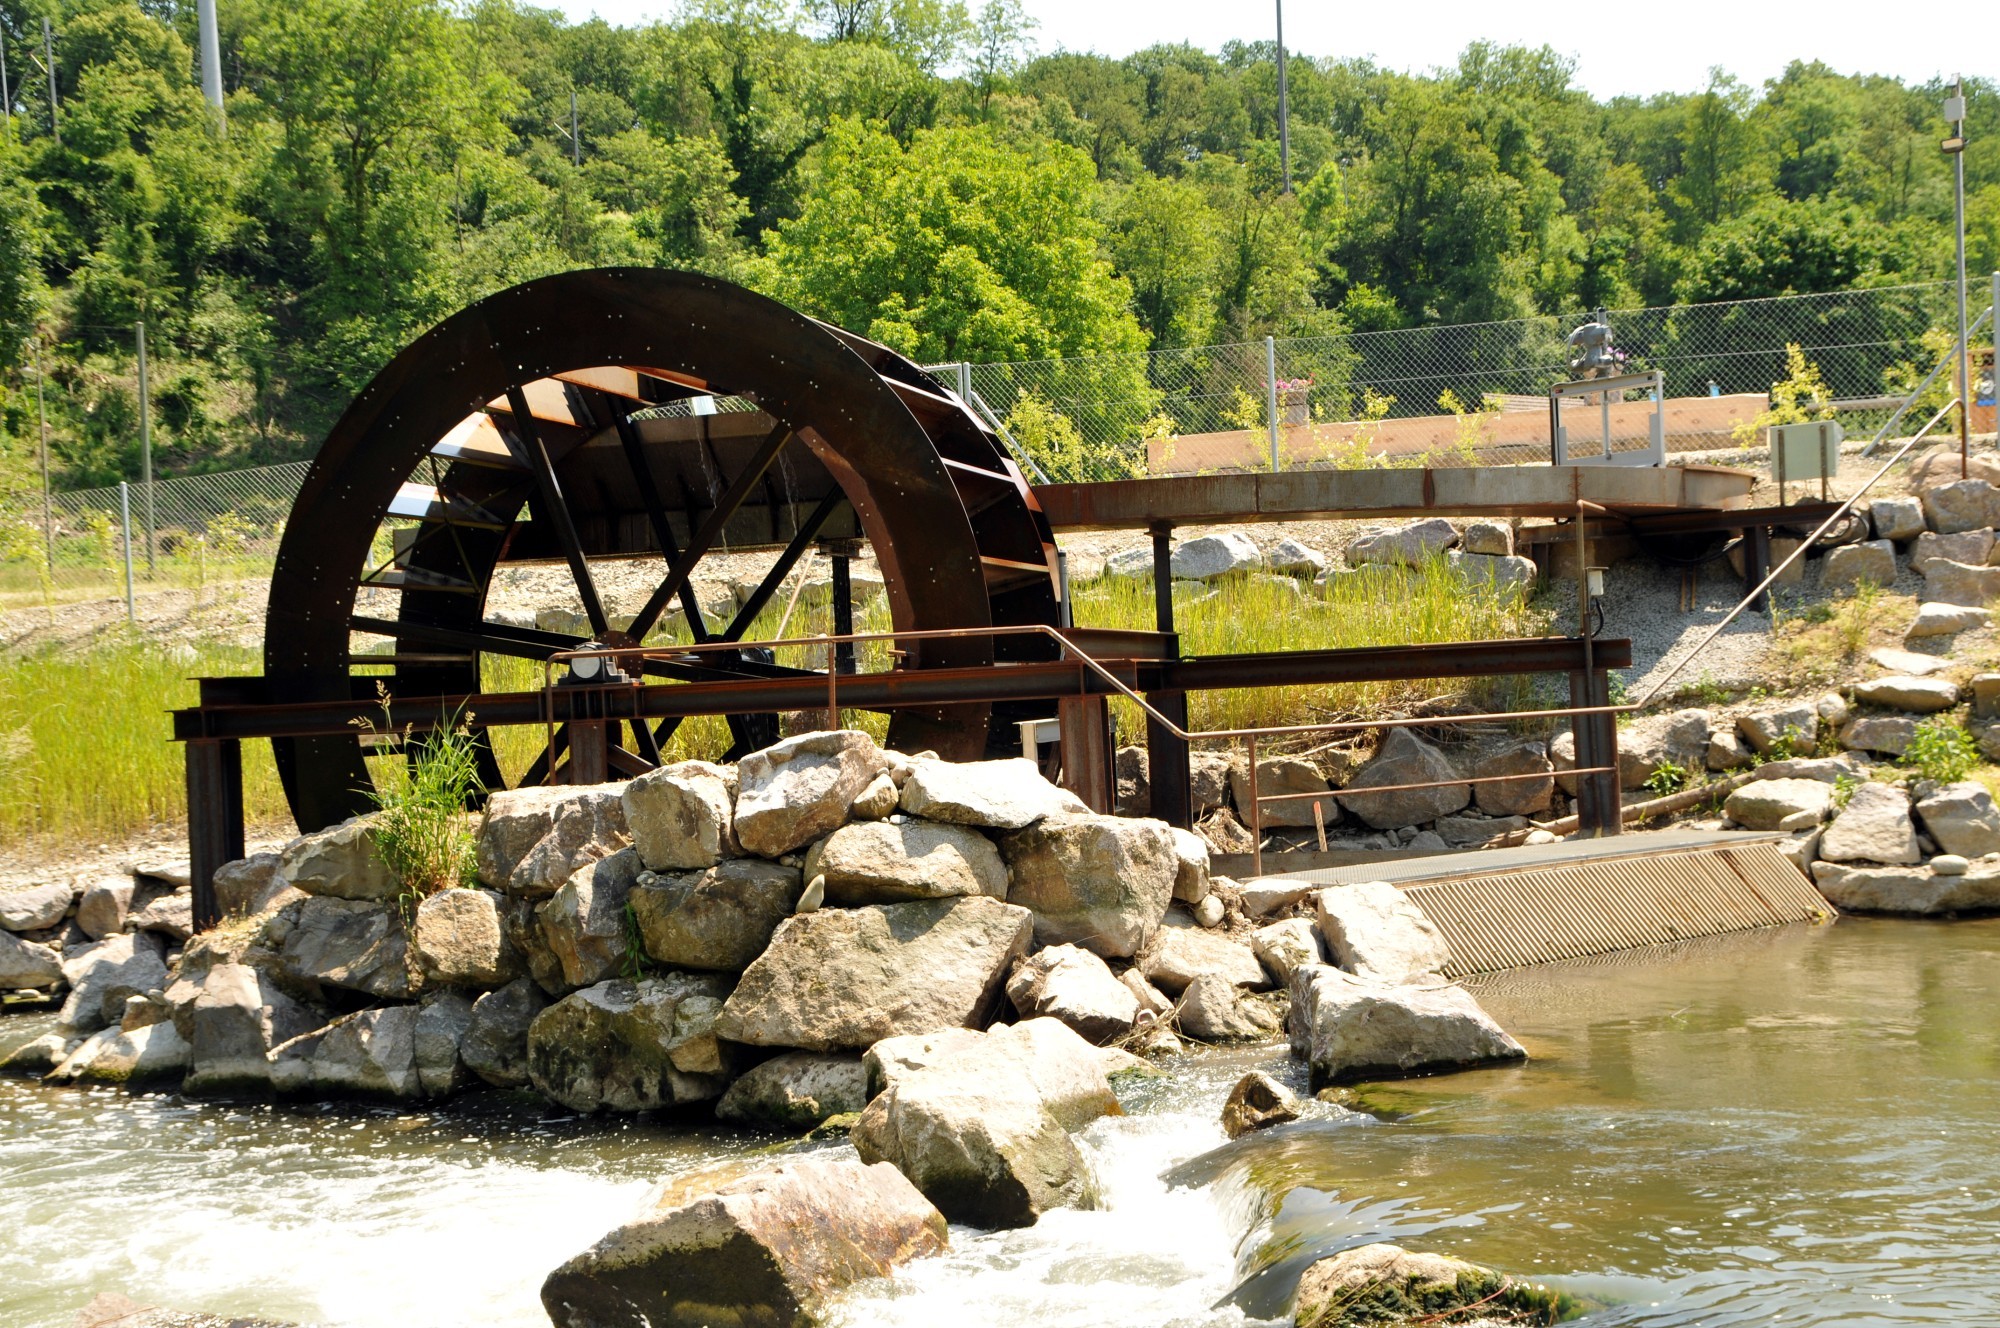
(909, 168)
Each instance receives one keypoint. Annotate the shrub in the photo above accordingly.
(420, 828)
(1671, 777)
(1942, 750)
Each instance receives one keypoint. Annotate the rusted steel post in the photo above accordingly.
(1085, 723)
(843, 610)
(1597, 796)
(1256, 810)
(589, 752)
(1167, 759)
(1756, 563)
(215, 818)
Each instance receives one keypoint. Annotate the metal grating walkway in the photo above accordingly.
(1505, 908)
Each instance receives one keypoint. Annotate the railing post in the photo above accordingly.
(125, 534)
(1168, 766)
(215, 818)
(1256, 815)
(1271, 396)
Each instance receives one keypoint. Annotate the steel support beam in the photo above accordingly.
(1085, 726)
(215, 819)
(1168, 766)
(1598, 812)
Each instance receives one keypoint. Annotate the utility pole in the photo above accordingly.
(1284, 112)
(1954, 146)
(48, 509)
(575, 143)
(6, 91)
(49, 55)
(146, 445)
(211, 63)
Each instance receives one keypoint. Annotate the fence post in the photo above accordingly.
(48, 510)
(146, 446)
(965, 383)
(1271, 396)
(125, 532)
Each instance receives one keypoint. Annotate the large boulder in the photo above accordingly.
(1284, 776)
(849, 977)
(340, 862)
(495, 1045)
(1348, 1028)
(632, 1046)
(1889, 735)
(719, 919)
(27, 965)
(1650, 745)
(1070, 984)
(1208, 780)
(104, 906)
(1191, 879)
(584, 921)
(682, 816)
(1404, 546)
(443, 1020)
(102, 975)
(1896, 518)
(35, 907)
(1961, 818)
(1210, 557)
(587, 827)
(1180, 954)
(169, 915)
(348, 943)
(372, 1053)
(1787, 728)
(460, 940)
(761, 1250)
(981, 1122)
(148, 1054)
(1375, 931)
(879, 862)
(1516, 797)
(1874, 826)
(796, 1090)
(1779, 804)
(516, 820)
(1386, 1286)
(1873, 561)
(251, 886)
(1948, 582)
(1917, 891)
(1964, 504)
(801, 789)
(1404, 758)
(1101, 882)
(998, 795)
(1946, 620)
(1214, 1009)
(1288, 557)
(1257, 1103)
(1974, 548)
(1902, 692)
(237, 1016)
(1284, 946)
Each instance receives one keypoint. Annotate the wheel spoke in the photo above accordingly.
(534, 455)
(656, 512)
(746, 617)
(711, 530)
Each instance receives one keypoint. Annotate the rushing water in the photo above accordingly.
(1795, 1127)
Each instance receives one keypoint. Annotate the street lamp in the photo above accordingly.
(1954, 147)
(1284, 118)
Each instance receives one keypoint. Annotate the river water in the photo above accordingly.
(1795, 1127)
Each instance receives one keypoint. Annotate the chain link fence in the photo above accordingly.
(1464, 394)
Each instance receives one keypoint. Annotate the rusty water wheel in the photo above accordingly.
(634, 413)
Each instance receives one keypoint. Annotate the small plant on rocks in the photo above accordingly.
(420, 827)
(1671, 777)
(1942, 750)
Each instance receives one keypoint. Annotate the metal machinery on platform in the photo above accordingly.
(626, 415)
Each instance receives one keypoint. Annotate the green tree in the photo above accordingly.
(1164, 243)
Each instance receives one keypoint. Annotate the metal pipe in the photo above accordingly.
(49, 55)
(146, 445)
(6, 91)
(1284, 116)
(48, 510)
(1271, 396)
(125, 531)
(1256, 814)
(211, 61)
(1964, 340)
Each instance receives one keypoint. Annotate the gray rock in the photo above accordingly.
(1825, 769)
(1779, 804)
(1102, 882)
(632, 1046)
(1434, 1288)
(796, 1090)
(1132, 771)
(682, 816)
(1985, 695)
(1070, 984)
(1000, 795)
(1279, 776)
(1947, 582)
(1911, 890)
(1128, 563)
(1961, 818)
(341, 862)
(980, 1122)
(1153, 1003)
(102, 910)
(1191, 880)
(802, 788)
(1889, 735)
(584, 921)
(495, 1045)
(1348, 1028)
(1520, 797)
(587, 827)
(443, 1020)
(1948, 864)
(102, 975)
(1946, 620)
(1504, 575)
(1471, 831)
(348, 943)
(461, 940)
(877, 862)
(1873, 561)
(1974, 548)
(1210, 557)
(1375, 931)
(1404, 758)
(763, 1249)
(1256, 1103)
(1284, 946)
(35, 908)
(35, 1058)
(720, 919)
(1488, 537)
(1180, 954)
(251, 886)
(235, 1019)
(1874, 826)
(1908, 661)
(28, 965)
(1960, 505)
(1832, 709)
(1208, 774)
(370, 1054)
(879, 800)
(1210, 913)
(516, 820)
(842, 978)
(1790, 727)
(1288, 557)
(169, 916)
(1902, 692)
(149, 1054)
(1649, 745)
(1214, 1009)
(1405, 546)
(1896, 518)
(1262, 898)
